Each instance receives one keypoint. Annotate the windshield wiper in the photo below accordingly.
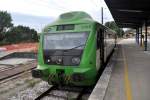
(75, 47)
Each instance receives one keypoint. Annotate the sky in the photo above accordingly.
(38, 13)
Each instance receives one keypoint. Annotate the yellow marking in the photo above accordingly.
(126, 77)
(68, 78)
(65, 78)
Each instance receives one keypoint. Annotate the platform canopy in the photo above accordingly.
(129, 13)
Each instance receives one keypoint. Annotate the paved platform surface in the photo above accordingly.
(130, 79)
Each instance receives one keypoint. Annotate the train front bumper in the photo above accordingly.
(74, 76)
(36, 73)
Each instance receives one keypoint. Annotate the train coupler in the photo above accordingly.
(36, 73)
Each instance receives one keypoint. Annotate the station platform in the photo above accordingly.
(130, 76)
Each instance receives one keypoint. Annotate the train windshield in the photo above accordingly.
(65, 40)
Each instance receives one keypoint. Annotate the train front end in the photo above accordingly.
(67, 54)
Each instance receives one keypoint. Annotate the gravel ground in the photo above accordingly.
(15, 86)
(29, 88)
(32, 92)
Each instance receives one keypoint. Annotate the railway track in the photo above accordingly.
(79, 90)
(6, 67)
(12, 72)
(16, 76)
(9, 67)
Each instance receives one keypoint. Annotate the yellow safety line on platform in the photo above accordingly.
(127, 82)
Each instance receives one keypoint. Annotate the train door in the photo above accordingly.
(98, 61)
(100, 49)
(105, 45)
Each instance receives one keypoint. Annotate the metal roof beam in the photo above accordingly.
(129, 13)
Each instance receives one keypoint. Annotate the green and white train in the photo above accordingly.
(73, 50)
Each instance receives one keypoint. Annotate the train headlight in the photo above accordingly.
(48, 60)
(59, 60)
(76, 60)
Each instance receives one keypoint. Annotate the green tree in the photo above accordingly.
(112, 25)
(21, 34)
(5, 23)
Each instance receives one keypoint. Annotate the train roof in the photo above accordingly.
(74, 17)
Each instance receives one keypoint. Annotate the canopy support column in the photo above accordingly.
(145, 42)
(138, 35)
(141, 36)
